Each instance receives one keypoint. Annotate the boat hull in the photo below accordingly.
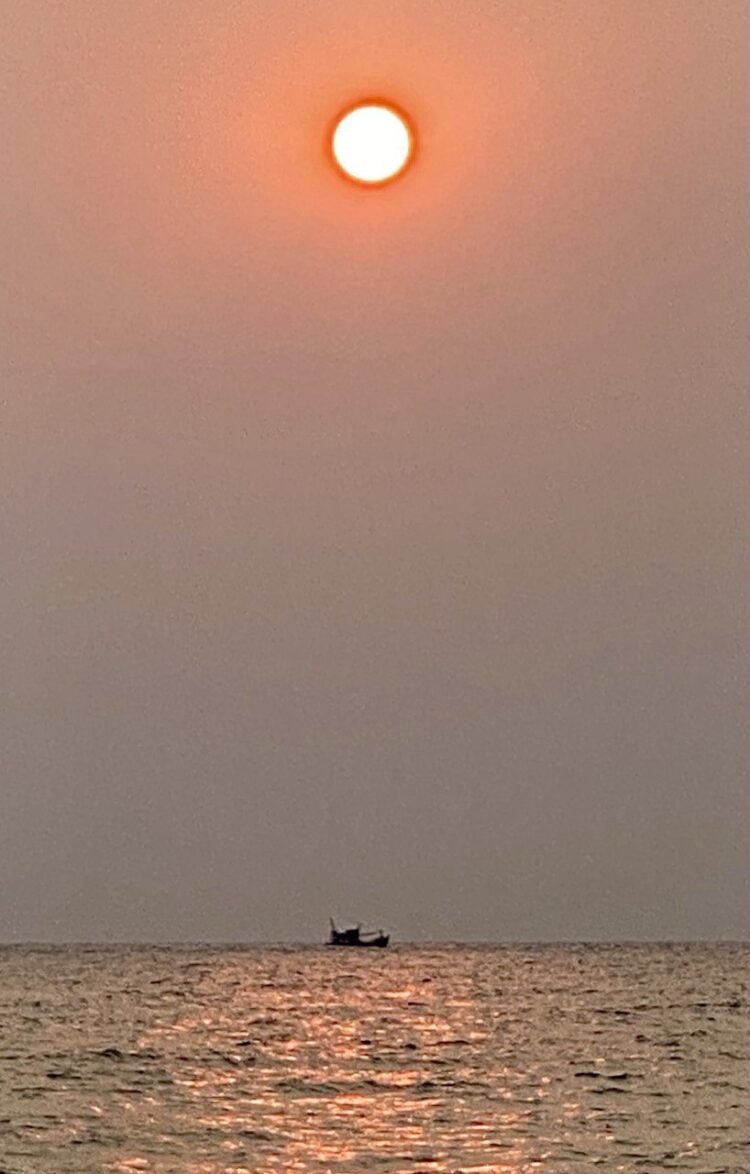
(379, 942)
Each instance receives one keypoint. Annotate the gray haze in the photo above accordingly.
(373, 553)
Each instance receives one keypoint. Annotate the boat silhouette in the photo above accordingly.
(356, 936)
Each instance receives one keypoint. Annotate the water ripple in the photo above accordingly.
(450, 1060)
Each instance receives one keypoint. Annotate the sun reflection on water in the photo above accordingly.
(262, 1061)
(377, 1068)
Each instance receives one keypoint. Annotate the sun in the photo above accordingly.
(372, 142)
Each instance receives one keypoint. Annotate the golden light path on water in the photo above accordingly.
(482, 1060)
(353, 1099)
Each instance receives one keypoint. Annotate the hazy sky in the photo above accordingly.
(376, 553)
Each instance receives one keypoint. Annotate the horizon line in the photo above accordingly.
(251, 943)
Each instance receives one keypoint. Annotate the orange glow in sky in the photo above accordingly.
(372, 142)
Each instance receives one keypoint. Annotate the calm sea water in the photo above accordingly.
(500, 1060)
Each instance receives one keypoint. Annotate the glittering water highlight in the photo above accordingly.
(479, 1060)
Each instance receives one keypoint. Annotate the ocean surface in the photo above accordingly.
(421, 1060)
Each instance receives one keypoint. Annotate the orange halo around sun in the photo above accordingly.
(372, 142)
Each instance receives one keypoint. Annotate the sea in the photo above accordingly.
(413, 1060)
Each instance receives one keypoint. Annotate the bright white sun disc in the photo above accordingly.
(372, 143)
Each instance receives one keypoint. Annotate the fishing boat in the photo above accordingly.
(357, 937)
